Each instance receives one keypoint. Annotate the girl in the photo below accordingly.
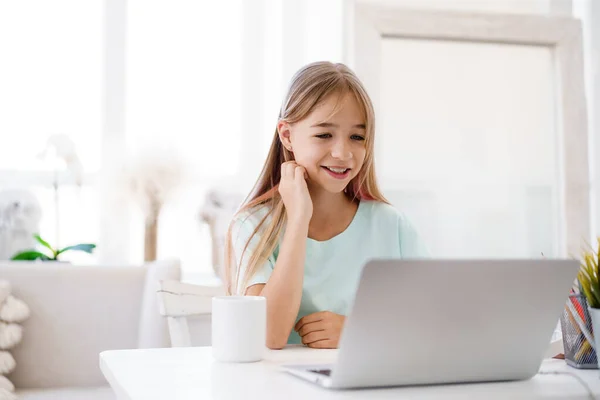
(315, 215)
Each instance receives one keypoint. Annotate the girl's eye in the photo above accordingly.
(324, 135)
(357, 137)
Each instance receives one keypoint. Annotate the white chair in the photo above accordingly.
(219, 206)
(187, 308)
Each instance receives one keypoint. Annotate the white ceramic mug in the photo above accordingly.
(239, 328)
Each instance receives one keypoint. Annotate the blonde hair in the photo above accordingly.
(310, 86)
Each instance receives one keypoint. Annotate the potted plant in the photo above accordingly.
(589, 283)
(53, 253)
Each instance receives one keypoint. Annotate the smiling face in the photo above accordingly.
(329, 143)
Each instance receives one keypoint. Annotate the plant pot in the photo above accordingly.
(595, 314)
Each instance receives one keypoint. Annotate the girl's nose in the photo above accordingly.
(341, 151)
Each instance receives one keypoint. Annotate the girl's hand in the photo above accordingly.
(294, 193)
(321, 330)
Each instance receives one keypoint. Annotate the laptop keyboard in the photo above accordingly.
(322, 371)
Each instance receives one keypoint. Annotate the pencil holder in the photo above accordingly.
(577, 334)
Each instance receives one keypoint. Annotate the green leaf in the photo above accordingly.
(589, 274)
(30, 255)
(87, 247)
(597, 257)
(595, 291)
(588, 261)
(591, 271)
(44, 243)
(588, 293)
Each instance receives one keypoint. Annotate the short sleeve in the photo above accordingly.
(411, 242)
(241, 231)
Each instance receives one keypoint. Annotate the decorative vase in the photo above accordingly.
(150, 240)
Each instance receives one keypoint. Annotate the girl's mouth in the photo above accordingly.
(337, 172)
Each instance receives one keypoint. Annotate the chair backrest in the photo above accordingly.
(79, 311)
(220, 204)
(187, 308)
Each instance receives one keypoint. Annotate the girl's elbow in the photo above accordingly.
(275, 346)
(276, 343)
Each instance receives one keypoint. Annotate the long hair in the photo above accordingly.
(311, 85)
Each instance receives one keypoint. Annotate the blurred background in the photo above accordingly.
(142, 124)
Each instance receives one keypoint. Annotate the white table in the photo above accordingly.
(191, 373)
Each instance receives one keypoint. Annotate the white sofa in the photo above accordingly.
(76, 313)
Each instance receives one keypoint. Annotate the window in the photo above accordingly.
(183, 85)
(51, 80)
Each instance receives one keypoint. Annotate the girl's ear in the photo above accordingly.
(283, 129)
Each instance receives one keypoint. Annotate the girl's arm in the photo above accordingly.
(283, 291)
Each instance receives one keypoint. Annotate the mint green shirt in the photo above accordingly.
(332, 267)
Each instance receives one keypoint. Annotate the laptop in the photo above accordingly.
(420, 322)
